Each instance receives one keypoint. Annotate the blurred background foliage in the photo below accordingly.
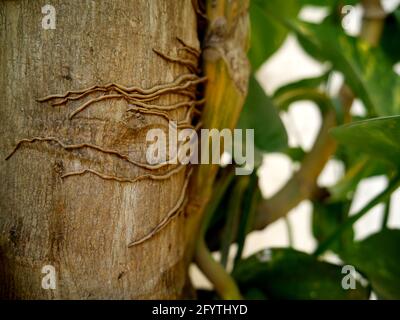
(367, 146)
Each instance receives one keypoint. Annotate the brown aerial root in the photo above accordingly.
(184, 123)
(86, 104)
(123, 93)
(82, 95)
(91, 146)
(187, 93)
(123, 179)
(169, 216)
(152, 112)
(192, 66)
(188, 48)
(139, 97)
(136, 97)
(192, 110)
(144, 108)
(107, 151)
(168, 107)
(176, 82)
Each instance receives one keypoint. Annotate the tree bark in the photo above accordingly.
(83, 223)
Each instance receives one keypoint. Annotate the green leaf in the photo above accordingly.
(260, 114)
(360, 168)
(307, 83)
(267, 34)
(250, 200)
(367, 70)
(216, 210)
(327, 218)
(255, 294)
(305, 89)
(394, 184)
(283, 273)
(233, 216)
(390, 36)
(328, 3)
(297, 154)
(378, 258)
(377, 137)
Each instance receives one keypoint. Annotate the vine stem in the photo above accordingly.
(384, 195)
(215, 272)
(289, 231)
(386, 214)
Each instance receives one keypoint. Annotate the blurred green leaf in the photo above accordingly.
(377, 137)
(260, 114)
(305, 89)
(327, 218)
(307, 83)
(255, 294)
(216, 210)
(233, 216)
(328, 3)
(378, 258)
(325, 3)
(361, 168)
(367, 70)
(390, 37)
(283, 273)
(251, 198)
(295, 153)
(383, 196)
(267, 34)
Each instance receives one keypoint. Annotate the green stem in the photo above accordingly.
(386, 214)
(394, 183)
(289, 231)
(223, 283)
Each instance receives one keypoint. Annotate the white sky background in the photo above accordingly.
(302, 122)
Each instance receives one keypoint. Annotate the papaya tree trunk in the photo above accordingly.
(76, 103)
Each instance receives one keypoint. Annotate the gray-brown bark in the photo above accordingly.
(82, 224)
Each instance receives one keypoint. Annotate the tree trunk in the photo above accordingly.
(77, 207)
